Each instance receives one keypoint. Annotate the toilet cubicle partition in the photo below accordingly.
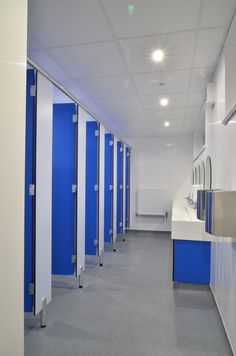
(38, 193)
(108, 196)
(127, 187)
(119, 225)
(92, 188)
(64, 183)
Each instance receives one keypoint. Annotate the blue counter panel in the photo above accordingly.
(63, 177)
(192, 261)
(119, 184)
(29, 179)
(108, 182)
(91, 204)
(127, 182)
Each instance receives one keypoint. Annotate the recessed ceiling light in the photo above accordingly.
(158, 55)
(167, 124)
(164, 102)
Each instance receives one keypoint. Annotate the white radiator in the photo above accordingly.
(152, 202)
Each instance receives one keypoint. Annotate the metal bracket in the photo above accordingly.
(74, 188)
(74, 118)
(96, 242)
(81, 279)
(101, 257)
(96, 188)
(32, 90)
(111, 143)
(43, 313)
(110, 187)
(73, 259)
(32, 190)
(96, 133)
(31, 289)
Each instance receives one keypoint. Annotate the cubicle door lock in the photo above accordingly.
(111, 187)
(110, 232)
(32, 190)
(96, 187)
(121, 186)
(74, 188)
(74, 118)
(96, 242)
(111, 143)
(73, 259)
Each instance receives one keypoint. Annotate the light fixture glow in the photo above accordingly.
(164, 102)
(158, 55)
(167, 124)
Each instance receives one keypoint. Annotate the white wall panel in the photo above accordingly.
(115, 187)
(13, 34)
(43, 192)
(81, 189)
(101, 186)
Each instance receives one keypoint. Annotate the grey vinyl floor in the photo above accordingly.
(128, 307)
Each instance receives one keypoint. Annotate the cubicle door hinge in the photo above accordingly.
(121, 149)
(96, 242)
(96, 133)
(74, 118)
(73, 259)
(96, 188)
(111, 143)
(110, 187)
(32, 190)
(74, 188)
(32, 90)
(31, 288)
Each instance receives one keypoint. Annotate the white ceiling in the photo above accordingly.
(100, 50)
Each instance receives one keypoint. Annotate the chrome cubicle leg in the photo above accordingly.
(101, 257)
(114, 243)
(43, 313)
(81, 277)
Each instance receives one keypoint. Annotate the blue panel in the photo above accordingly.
(108, 193)
(91, 181)
(63, 200)
(29, 176)
(127, 182)
(119, 183)
(192, 261)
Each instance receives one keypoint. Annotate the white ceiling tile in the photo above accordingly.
(75, 89)
(32, 43)
(149, 83)
(119, 104)
(177, 100)
(60, 97)
(155, 115)
(195, 98)
(59, 23)
(177, 47)
(199, 79)
(141, 17)
(208, 47)
(86, 61)
(191, 116)
(108, 86)
(217, 12)
(42, 58)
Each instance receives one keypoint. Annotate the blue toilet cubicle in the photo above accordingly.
(92, 184)
(119, 187)
(30, 172)
(108, 189)
(127, 186)
(64, 178)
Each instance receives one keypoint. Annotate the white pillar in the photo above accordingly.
(13, 39)
(101, 187)
(115, 188)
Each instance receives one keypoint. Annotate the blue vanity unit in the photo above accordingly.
(191, 246)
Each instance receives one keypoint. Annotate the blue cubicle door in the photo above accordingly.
(64, 176)
(119, 187)
(29, 258)
(192, 261)
(108, 206)
(127, 187)
(91, 204)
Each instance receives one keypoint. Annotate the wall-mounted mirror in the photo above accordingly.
(202, 174)
(198, 174)
(195, 175)
(208, 173)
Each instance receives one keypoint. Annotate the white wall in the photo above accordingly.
(159, 163)
(13, 35)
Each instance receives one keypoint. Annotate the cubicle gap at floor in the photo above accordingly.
(30, 178)
(119, 188)
(91, 204)
(64, 182)
(108, 206)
